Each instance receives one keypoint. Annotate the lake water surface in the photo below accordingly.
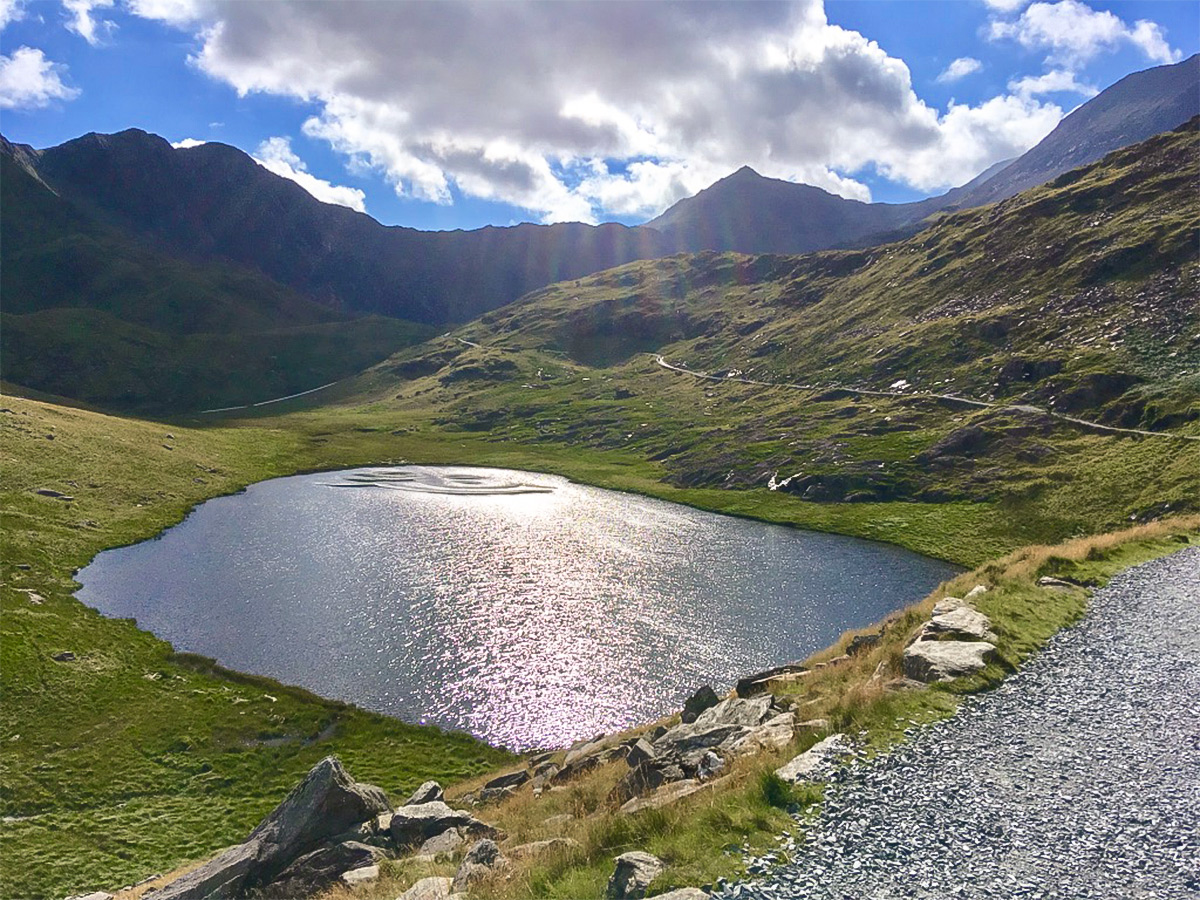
(520, 607)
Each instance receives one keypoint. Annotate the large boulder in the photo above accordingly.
(962, 621)
(411, 826)
(327, 802)
(738, 711)
(633, 873)
(929, 661)
(815, 762)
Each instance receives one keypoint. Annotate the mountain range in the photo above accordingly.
(142, 276)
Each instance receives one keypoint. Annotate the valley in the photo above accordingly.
(1008, 389)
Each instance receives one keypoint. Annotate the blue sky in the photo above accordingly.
(458, 115)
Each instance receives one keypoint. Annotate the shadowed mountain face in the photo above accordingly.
(215, 201)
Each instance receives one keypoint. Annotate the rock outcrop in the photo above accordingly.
(327, 803)
(481, 860)
(814, 763)
(929, 661)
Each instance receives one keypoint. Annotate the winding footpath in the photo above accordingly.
(1078, 778)
(926, 395)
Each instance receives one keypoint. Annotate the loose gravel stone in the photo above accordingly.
(1075, 779)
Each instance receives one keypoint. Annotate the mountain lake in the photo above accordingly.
(520, 607)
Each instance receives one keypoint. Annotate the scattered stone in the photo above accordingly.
(671, 793)
(426, 793)
(929, 661)
(94, 895)
(756, 684)
(814, 725)
(25, 567)
(774, 734)
(445, 843)
(64, 656)
(704, 698)
(434, 888)
(363, 875)
(976, 591)
(481, 860)
(632, 875)
(558, 821)
(48, 492)
(813, 763)
(411, 826)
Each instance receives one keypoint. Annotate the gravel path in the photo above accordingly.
(1078, 778)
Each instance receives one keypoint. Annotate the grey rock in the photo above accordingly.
(63, 656)
(445, 843)
(510, 779)
(704, 698)
(686, 893)
(319, 869)
(930, 661)
(411, 826)
(94, 895)
(221, 878)
(633, 874)
(948, 604)
(559, 821)
(426, 793)
(774, 734)
(861, 643)
(434, 888)
(710, 764)
(481, 860)
(737, 711)
(641, 751)
(363, 875)
(963, 621)
(813, 763)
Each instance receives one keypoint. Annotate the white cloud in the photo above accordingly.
(585, 110)
(276, 155)
(10, 11)
(1050, 82)
(1074, 33)
(29, 80)
(81, 21)
(960, 68)
(1005, 5)
(188, 143)
(173, 12)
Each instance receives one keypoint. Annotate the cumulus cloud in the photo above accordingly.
(1073, 33)
(276, 155)
(960, 68)
(1005, 5)
(81, 21)
(188, 143)
(10, 11)
(585, 110)
(1051, 82)
(28, 80)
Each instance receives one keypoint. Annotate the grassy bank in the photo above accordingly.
(700, 838)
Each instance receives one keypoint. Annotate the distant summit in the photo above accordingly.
(750, 213)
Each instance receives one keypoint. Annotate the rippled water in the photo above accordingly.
(520, 607)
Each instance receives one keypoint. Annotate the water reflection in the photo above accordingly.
(520, 607)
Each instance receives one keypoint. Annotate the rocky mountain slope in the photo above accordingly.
(941, 368)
